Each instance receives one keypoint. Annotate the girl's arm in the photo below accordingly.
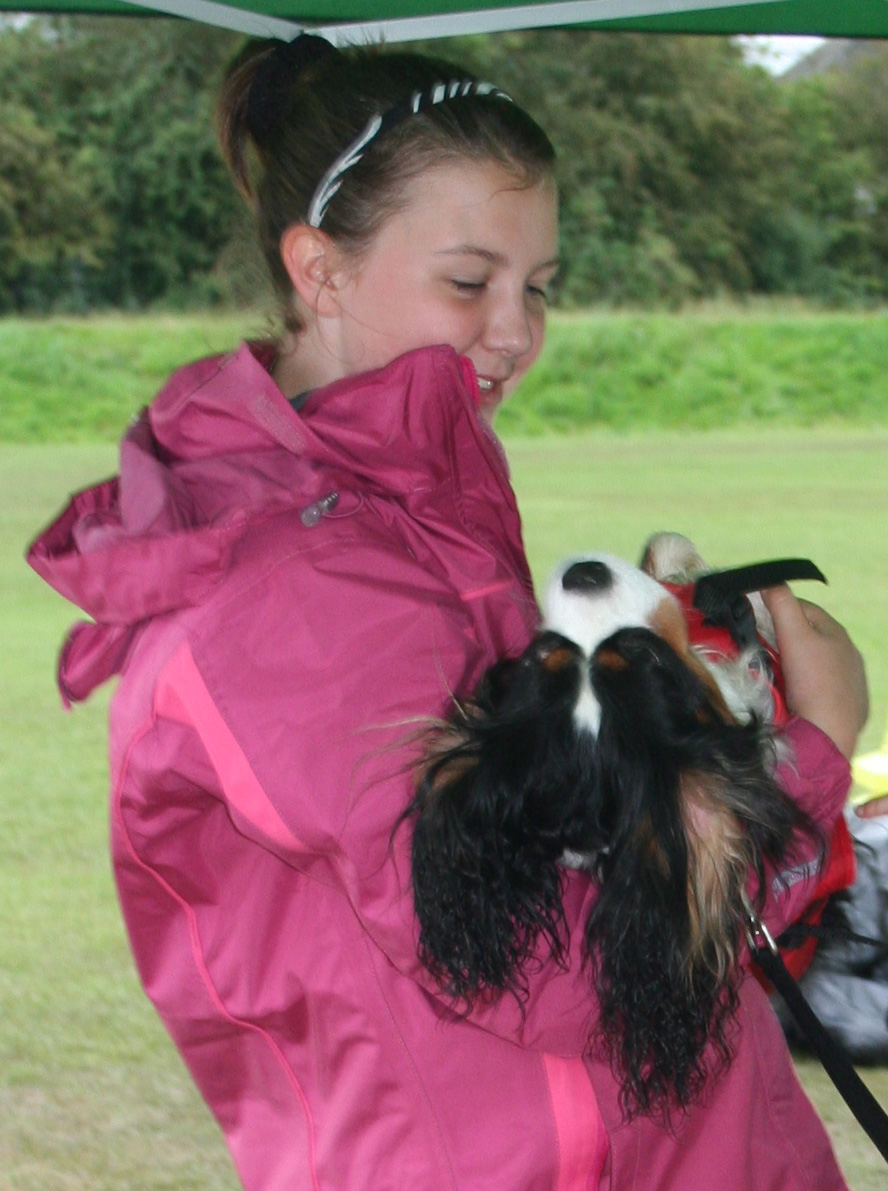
(823, 670)
(825, 686)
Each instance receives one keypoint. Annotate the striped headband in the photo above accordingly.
(418, 102)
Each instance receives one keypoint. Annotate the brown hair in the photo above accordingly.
(287, 110)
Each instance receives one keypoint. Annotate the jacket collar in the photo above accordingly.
(394, 428)
(221, 445)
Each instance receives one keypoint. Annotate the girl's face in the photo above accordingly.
(466, 261)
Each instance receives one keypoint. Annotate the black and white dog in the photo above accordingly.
(610, 745)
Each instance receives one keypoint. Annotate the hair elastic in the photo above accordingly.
(418, 101)
(275, 74)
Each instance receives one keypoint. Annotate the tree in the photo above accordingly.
(124, 113)
(684, 172)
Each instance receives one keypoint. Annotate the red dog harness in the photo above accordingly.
(720, 621)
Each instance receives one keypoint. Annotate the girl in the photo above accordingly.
(311, 544)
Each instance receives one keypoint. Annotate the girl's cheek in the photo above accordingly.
(539, 338)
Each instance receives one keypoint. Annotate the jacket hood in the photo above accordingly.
(221, 446)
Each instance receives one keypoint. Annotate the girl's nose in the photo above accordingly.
(509, 328)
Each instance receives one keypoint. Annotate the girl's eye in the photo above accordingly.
(468, 287)
(538, 293)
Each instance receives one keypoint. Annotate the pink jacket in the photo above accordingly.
(277, 653)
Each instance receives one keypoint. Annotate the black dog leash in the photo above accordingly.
(796, 934)
(869, 1113)
(721, 597)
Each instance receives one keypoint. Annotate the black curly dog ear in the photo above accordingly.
(500, 799)
(690, 807)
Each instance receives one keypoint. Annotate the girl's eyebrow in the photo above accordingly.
(492, 258)
(486, 254)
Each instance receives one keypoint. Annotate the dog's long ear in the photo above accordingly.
(692, 808)
(655, 1016)
(497, 803)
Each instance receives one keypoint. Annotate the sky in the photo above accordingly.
(779, 53)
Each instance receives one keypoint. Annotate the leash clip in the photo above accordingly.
(757, 934)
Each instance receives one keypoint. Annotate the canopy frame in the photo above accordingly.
(366, 21)
(447, 24)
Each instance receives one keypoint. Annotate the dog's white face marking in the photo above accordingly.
(590, 597)
(587, 712)
(587, 600)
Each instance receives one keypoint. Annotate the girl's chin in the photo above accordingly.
(490, 401)
(488, 409)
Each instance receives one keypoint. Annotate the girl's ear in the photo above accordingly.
(313, 264)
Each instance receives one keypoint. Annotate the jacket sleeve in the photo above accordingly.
(817, 778)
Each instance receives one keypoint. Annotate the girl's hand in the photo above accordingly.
(824, 672)
(876, 806)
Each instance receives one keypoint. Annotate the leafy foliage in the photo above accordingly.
(684, 171)
(687, 173)
(121, 196)
(707, 367)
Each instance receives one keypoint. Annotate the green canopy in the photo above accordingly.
(399, 20)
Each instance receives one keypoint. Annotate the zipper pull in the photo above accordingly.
(311, 515)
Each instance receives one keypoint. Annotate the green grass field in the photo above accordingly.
(92, 1095)
(80, 380)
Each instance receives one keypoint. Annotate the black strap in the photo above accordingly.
(755, 577)
(721, 595)
(796, 935)
(869, 1113)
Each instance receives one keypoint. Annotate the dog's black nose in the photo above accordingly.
(591, 575)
